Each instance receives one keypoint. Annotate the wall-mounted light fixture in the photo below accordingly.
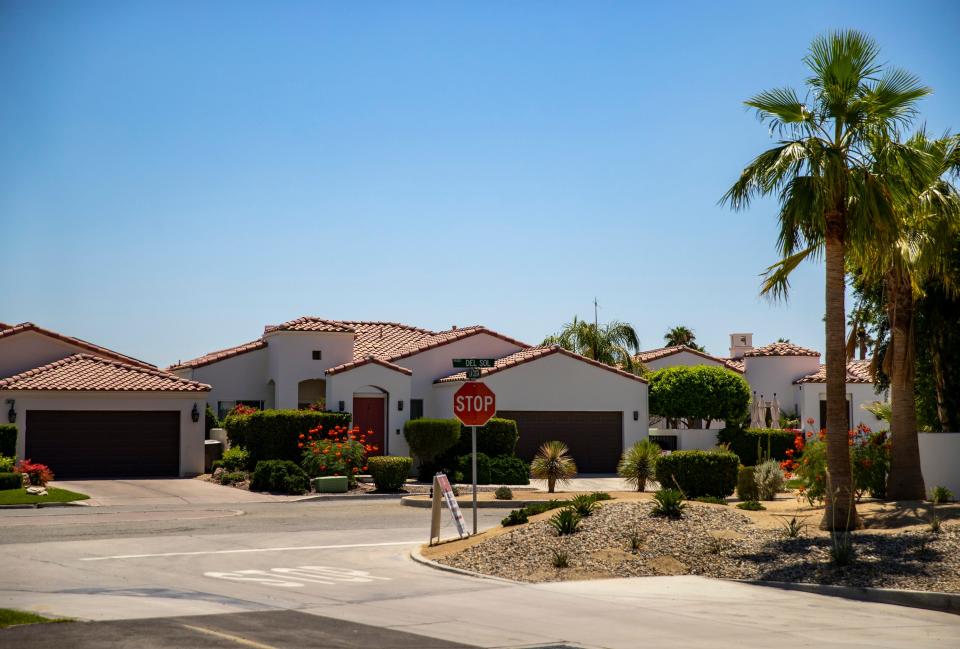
(636, 415)
(400, 405)
(12, 413)
(340, 405)
(195, 414)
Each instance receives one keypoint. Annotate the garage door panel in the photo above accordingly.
(595, 439)
(99, 443)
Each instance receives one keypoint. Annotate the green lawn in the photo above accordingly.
(10, 617)
(54, 495)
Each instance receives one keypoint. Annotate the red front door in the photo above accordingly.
(368, 416)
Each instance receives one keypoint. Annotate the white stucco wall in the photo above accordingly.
(558, 382)
(775, 374)
(191, 434)
(395, 385)
(690, 439)
(939, 455)
(242, 377)
(290, 359)
(809, 395)
(27, 350)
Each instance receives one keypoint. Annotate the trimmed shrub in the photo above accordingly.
(8, 439)
(751, 506)
(747, 484)
(699, 473)
(234, 459)
(753, 443)
(464, 468)
(11, 481)
(428, 439)
(230, 478)
(389, 472)
(210, 421)
(509, 470)
(281, 476)
(275, 434)
(503, 493)
(7, 462)
(497, 437)
(699, 392)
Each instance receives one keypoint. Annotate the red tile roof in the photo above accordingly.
(346, 367)
(85, 372)
(83, 344)
(782, 349)
(664, 352)
(220, 355)
(735, 365)
(532, 354)
(857, 372)
(309, 323)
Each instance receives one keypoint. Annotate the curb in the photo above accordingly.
(417, 500)
(933, 601)
(419, 558)
(39, 505)
(328, 497)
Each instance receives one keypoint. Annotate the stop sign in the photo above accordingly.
(474, 404)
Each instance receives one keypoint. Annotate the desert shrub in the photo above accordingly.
(389, 472)
(515, 517)
(230, 478)
(428, 439)
(235, 458)
(497, 437)
(769, 480)
(747, 483)
(509, 470)
(281, 476)
(553, 464)
(7, 462)
(669, 503)
(538, 508)
(711, 500)
(559, 559)
(275, 434)
(638, 463)
(940, 495)
(751, 506)
(566, 521)
(337, 452)
(699, 392)
(8, 439)
(583, 504)
(11, 480)
(503, 493)
(37, 474)
(601, 495)
(699, 473)
(753, 445)
(465, 468)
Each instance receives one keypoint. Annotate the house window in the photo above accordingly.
(823, 414)
(317, 355)
(416, 408)
(224, 407)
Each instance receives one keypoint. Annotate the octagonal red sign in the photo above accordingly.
(474, 404)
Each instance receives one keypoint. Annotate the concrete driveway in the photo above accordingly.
(163, 491)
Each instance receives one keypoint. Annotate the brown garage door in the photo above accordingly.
(105, 443)
(595, 438)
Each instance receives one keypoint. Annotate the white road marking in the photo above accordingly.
(298, 577)
(226, 636)
(248, 550)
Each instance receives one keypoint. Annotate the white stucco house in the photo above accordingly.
(386, 373)
(87, 411)
(789, 373)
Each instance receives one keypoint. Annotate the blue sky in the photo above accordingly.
(175, 175)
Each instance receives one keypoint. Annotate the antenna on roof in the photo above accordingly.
(596, 320)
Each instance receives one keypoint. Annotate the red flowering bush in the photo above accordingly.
(341, 451)
(38, 475)
(241, 409)
(869, 462)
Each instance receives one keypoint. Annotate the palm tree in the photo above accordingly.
(614, 343)
(918, 253)
(829, 197)
(553, 464)
(638, 463)
(681, 335)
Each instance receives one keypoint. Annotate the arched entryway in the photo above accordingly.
(370, 415)
(310, 392)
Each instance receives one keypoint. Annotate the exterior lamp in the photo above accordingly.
(12, 413)
(400, 405)
(195, 414)
(636, 415)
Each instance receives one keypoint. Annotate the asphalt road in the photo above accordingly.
(258, 575)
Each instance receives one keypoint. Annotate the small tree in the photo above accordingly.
(638, 463)
(699, 392)
(553, 464)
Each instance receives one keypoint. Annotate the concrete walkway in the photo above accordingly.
(163, 491)
(591, 482)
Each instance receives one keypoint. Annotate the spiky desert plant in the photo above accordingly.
(553, 464)
(638, 463)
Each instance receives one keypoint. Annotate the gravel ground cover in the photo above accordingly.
(713, 541)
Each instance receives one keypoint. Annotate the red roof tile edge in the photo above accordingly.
(97, 350)
(457, 335)
(346, 367)
(189, 386)
(676, 349)
(536, 354)
(220, 355)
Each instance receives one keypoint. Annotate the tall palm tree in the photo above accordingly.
(829, 196)
(614, 343)
(920, 252)
(681, 335)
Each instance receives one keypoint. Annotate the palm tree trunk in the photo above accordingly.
(906, 479)
(840, 512)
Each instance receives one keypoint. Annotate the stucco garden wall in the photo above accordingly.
(940, 460)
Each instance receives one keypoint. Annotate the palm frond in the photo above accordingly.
(776, 279)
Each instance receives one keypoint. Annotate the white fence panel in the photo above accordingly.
(940, 460)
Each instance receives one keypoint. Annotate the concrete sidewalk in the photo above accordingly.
(163, 491)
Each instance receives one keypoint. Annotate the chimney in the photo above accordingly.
(453, 327)
(740, 344)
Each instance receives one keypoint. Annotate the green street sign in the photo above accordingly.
(473, 362)
(473, 373)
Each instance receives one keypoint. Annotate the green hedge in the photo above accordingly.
(699, 473)
(429, 440)
(11, 481)
(464, 466)
(752, 443)
(8, 439)
(508, 469)
(389, 472)
(281, 476)
(274, 434)
(497, 437)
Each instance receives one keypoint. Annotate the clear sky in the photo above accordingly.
(176, 175)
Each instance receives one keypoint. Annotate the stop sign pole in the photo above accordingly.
(474, 404)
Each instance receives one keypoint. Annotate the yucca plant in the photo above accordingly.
(669, 503)
(583, 504)
(638, 463)
(560, 559)
(553, 464)
(566, 521)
